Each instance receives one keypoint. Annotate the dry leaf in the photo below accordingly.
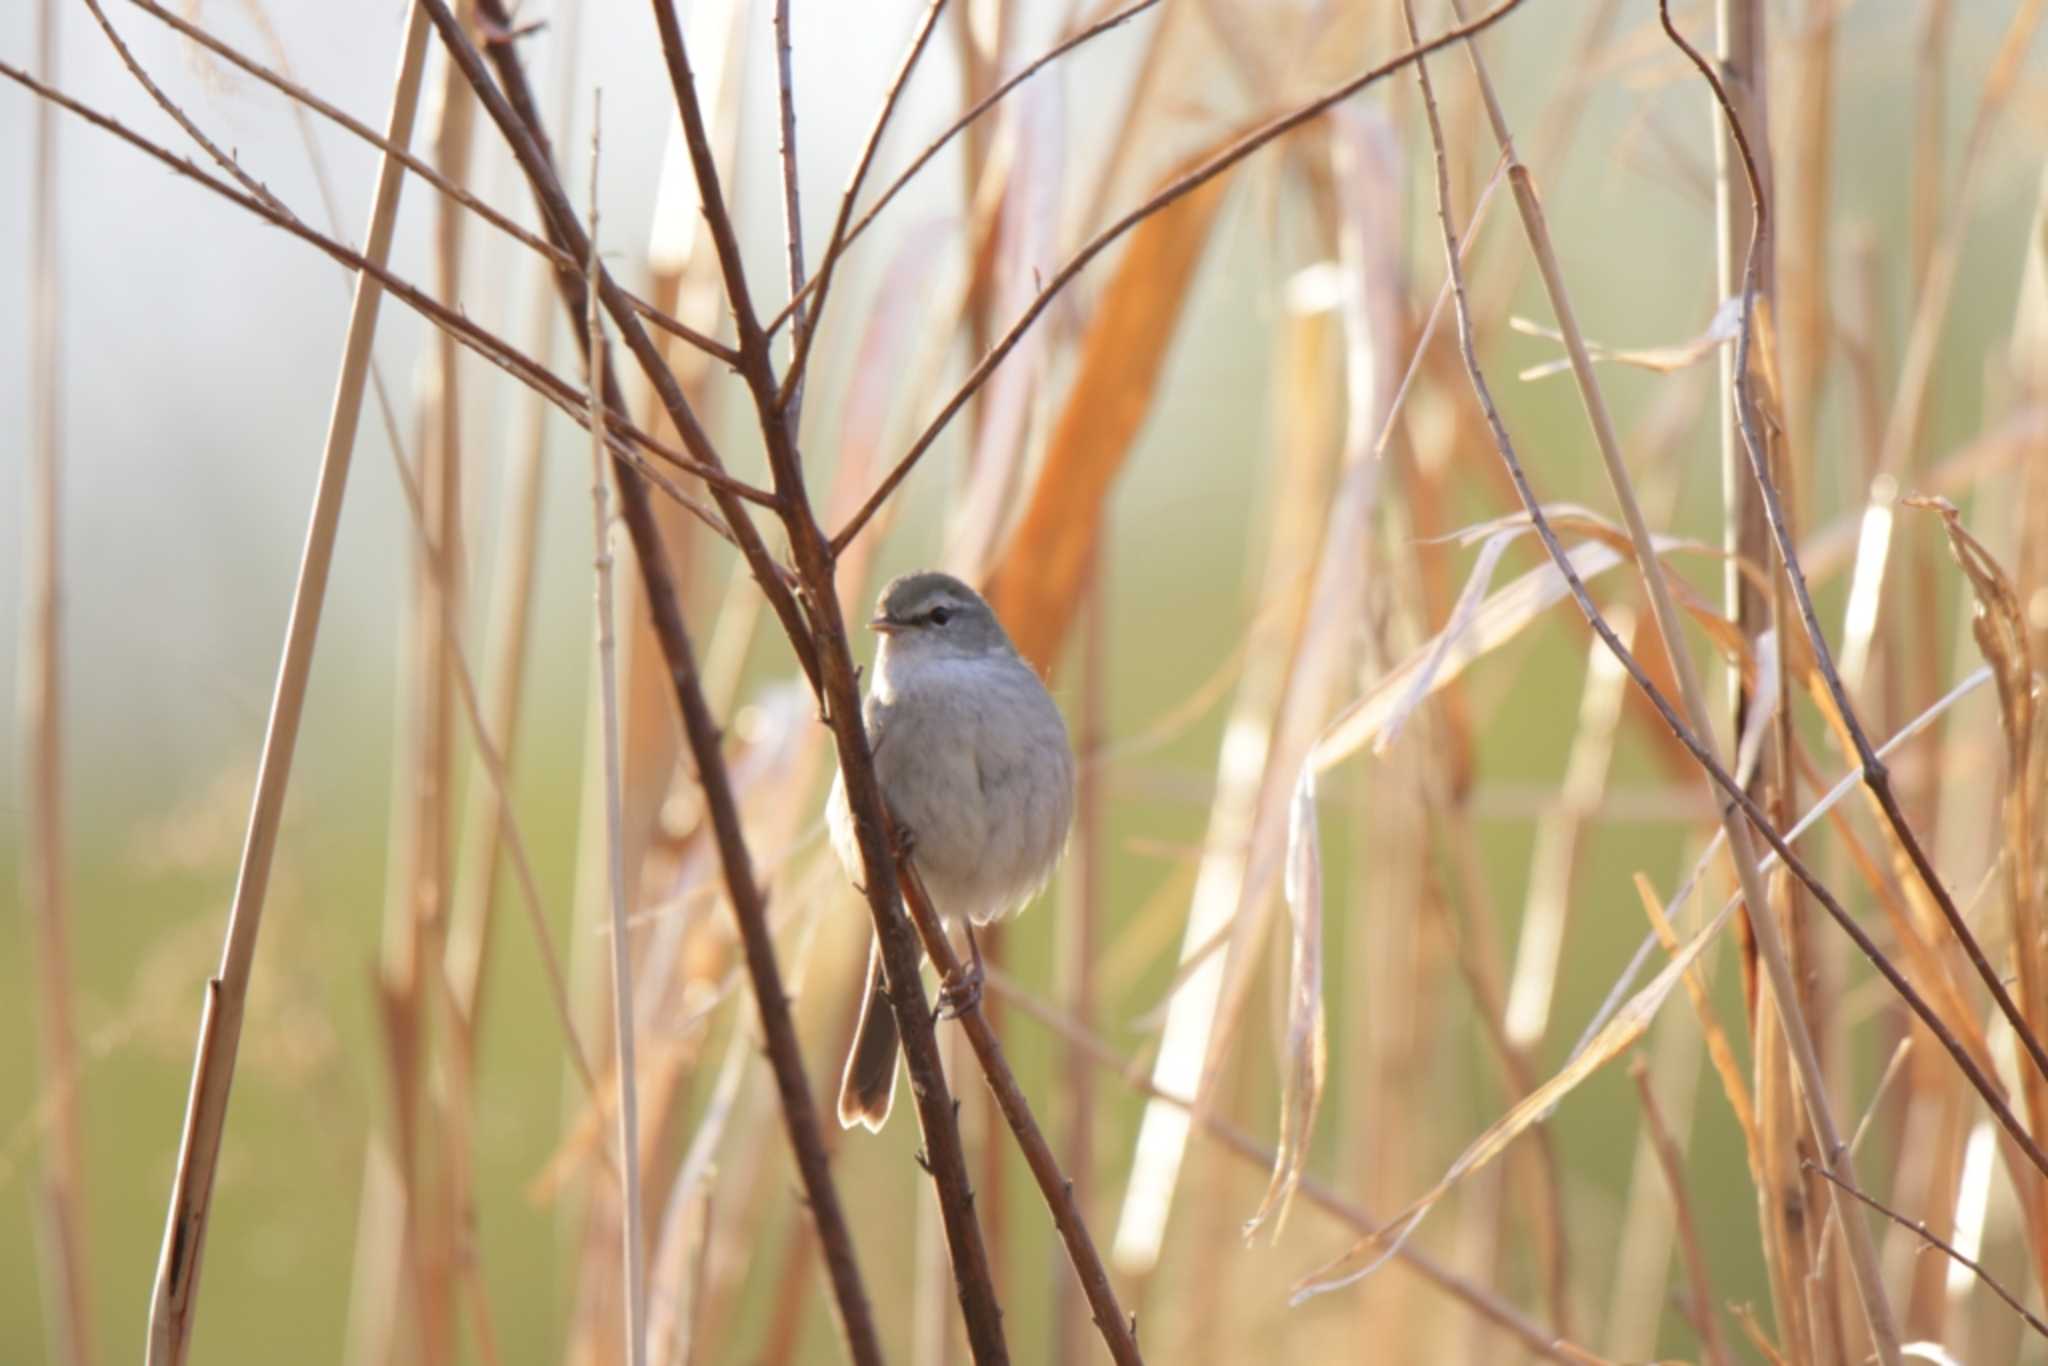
(1727, 321)
(1307, 1042)
(1615, 1038)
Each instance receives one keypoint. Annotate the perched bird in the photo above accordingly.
(974, 764)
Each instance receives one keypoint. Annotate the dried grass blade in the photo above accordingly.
(1307, 1044)
(1036, 585)
(1615, 1038)
(1722, 329)
(1718, 1050)
(1498, 620)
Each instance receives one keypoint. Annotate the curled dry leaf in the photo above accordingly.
(1478, 625)
(1036, 585)
(1727, 321)
(1620, 1033)
(1307, 1040)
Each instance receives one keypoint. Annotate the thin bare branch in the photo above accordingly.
(842, 236)
(634, 1252)
(837, 685)
(792, 208)
(1919, 1226)
(305, 98)
(806, 329)
(1119, 1334)
(1672, 1162)
(1875, 775)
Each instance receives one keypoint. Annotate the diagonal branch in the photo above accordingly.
(299, 95)
(1863, 1260)
(1876, 775)
(1119, 1334)
(517, 116)
(1919, 1226)
(806, 329)
(843, 236)
(484, 343)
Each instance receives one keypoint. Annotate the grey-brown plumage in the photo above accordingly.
(972, 757)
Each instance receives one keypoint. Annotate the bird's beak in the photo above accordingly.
(882, 626)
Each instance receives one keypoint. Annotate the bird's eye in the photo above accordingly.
(939, 616)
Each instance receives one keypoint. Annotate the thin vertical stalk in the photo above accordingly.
(1082, 904)
(67, 1309)
(174, 1297)
(634, 1253)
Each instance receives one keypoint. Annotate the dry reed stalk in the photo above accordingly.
(633, 1249)
(487, 817)
(1082, 904)
(429, 1122)
(174, 1298)
(60, 1226)
(1643, 1253)
(1703, 1315)
(1783, 987)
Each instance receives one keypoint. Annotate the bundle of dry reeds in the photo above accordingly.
(1288, 1072)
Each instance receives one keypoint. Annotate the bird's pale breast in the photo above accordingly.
(972, 756)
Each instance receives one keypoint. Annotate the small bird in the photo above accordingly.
(973, 761)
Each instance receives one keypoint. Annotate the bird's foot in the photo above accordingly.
(961, 991)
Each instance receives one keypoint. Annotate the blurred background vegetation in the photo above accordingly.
(196, 367)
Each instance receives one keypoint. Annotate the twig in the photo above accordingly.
(44, 885)
(792, 210)
(1119, 1334)
(1673, 1164)
(178, 115)
(1694, 731)
(305, 98)
(842, 236)
(1208, 170)
(633, 1253)
(800, 1116)
(174, 1298)
(837, 685)
(1919, 1226)
(805, 332)
(1875, 775)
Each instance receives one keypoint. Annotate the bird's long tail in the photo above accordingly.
(869, 1086)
